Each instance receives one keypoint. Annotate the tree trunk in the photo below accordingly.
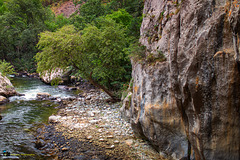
(103, 88)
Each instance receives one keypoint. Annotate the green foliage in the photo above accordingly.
(20, 25)
(59, 49)
(19, 29)
(121, 16)
(136, 51)
(96, 52)
(152, 58)
(139, 53)
(127, 12)
(49, 2)
(56, 81)
(3, 7)
(56, 22)
(6, 68)
(134, 8)
(91, 10)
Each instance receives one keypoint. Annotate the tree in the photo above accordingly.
(95, 52)
(20, 24)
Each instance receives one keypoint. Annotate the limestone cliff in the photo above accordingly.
(189, 105)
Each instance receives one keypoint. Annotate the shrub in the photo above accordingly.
(6, 68)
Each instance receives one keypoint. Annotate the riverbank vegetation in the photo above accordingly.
(93, 41)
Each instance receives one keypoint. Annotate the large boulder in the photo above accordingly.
(43, 96)
(188, 106)
(6, 87)
(3, 100)
(57, 76)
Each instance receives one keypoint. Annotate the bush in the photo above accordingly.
(6, 68)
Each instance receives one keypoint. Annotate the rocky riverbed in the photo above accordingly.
(90, 128)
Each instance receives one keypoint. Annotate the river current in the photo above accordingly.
(23, 114)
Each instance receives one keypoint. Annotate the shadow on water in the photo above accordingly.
(23, 114)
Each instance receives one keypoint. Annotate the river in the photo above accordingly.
(22, 116)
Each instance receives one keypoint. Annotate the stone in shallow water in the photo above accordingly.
(3, 100)
(43, 95)
(54, 119)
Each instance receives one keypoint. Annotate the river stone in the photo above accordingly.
(43, 95)
(3, 100)
(54, 119)
(65, 149)
(188, 105)
(40, 143)
(6, 87)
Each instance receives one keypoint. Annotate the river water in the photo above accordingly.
(23, 114)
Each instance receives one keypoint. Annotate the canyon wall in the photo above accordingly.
(188, 104)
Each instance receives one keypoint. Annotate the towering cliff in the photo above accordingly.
(189, 104)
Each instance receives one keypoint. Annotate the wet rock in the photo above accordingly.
(6, 87)
(40, 143)
(52, 98)
(43, 96)
(62, 87)
(72, 88)
(88, 97)
(54, 119)
(3, 100)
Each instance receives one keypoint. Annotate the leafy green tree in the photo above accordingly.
(134, 8)
(121, 16)
(3, 7)
(20, 25)
(91, 9)
(6, 68)
(95, 52)
(56, 22)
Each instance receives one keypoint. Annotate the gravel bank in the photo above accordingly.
(89, 128)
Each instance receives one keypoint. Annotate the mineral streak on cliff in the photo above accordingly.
(189, 105)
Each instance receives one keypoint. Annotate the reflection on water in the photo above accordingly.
(22, 114)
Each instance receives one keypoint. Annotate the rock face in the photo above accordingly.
(189, 105)
(3, 100)
(57, 76)
(6, 87)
